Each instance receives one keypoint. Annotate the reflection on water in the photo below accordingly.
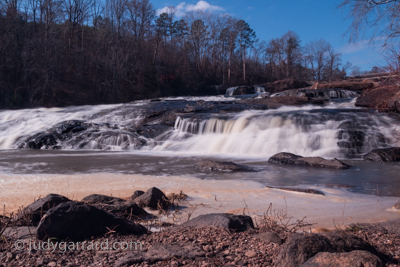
(366, 177)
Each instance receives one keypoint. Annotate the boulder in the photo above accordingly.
(102, 199)
(33, 213)
(384, 155)
(77, 221)
(284, 158)
(221, 220)
(126, 209)
(221, 166)
(154, 199)
(383, 98)
(301, 247)
(136, 194)
(356, 258)
(21, 232)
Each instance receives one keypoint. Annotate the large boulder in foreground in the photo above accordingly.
(355, 258)
(221, 166)
(285, 158)
(384, 155)
(221, 220)
(301, 247)
(35, 211)
(154, 199)
(77, 221)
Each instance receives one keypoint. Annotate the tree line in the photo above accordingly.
(72, 52)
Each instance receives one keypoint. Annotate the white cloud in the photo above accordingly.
(354, 47)
(182, 8)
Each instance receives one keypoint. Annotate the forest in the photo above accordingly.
(74, 52)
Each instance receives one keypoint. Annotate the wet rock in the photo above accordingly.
(41, 141)
(384, 155)
(301, 247)
(20, 232)
(77, 221)
(154, 199)
(300, 190)
(221, 220)
(162, 252)
(280, 101)
(350, 259)
(33, 213)
(284, 158)
(137, 194)
(269, 237)
(221, 166)
(125, 209)
(102, 199)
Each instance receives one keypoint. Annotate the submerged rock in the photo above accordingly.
(77, 221)
(222, 220)
(34, 212)
(221, 166)
(384, 155)
(285, 158)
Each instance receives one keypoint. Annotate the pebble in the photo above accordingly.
(250, 254)
(52, 264)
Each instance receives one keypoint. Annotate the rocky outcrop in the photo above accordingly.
(221, 220)
(319, 93)
(221, 166)
(346, 259)
(384, 98)
(353, 86)
(77, 221)
(154, 199)
(384, 155)
(301, 247)
(282, 85)
(284, 158)
(33, 213)
(280, 101)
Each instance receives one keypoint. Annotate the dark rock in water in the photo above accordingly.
(301, 247)
(222, 220)
(102, 199)
(33, 213)
(137, 194)
(77, 221)
(301, 190)
(346, 259)
(152, 131)
(41, 141)
(154, 199)
(221, 166)
(20, 232)
(162, 252)
(292, 159)
(269, 237)
(384, 155)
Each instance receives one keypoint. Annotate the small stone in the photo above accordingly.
(9, 256)
(226, 252)
(52, 264)
(250, 254)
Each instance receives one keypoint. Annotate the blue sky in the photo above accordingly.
(310, 19)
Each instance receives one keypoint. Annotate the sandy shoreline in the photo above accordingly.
(337, 207)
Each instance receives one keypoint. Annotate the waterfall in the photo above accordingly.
(231, 90)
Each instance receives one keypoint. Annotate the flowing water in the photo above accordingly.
(109, 144)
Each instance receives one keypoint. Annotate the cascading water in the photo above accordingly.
(231, 90)
(305, 131)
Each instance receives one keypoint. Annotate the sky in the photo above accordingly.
(310, 19)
